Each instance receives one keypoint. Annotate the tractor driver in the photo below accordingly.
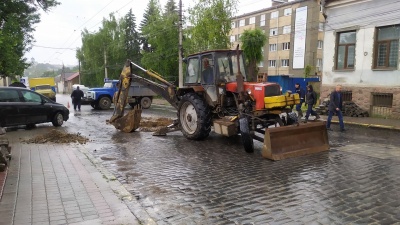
(207, 73)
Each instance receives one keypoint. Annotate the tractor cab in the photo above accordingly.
(213, 70)
(213, 67)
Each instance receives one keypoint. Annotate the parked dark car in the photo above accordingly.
(20, 106)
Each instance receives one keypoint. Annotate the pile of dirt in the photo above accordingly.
(148, 124)
(57, 136)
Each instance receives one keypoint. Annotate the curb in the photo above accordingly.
(369, 125)
(118, 188)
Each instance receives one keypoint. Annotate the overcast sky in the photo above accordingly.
(61, 27)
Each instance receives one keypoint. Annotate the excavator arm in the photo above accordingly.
(130, 121)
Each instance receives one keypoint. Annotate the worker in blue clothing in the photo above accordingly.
(335, 106)
(302, 95)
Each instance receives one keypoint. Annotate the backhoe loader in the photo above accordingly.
(216, 94)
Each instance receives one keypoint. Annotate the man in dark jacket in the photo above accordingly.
(335, 106)
(302, 95)
(77, 96)
(311, 100)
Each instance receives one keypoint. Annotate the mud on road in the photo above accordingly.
(57, 136)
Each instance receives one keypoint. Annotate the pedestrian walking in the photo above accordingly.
(302, 95)
(335, 106)
(311, 100)
(77, 96)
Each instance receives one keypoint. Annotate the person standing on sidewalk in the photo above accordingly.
(311, 100)
(302, 95)
(77, 96)
(335, 106)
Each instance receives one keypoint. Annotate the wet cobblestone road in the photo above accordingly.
(216, 182)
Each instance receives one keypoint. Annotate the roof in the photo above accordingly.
(71, 77)
(270, 8)
(65, 76)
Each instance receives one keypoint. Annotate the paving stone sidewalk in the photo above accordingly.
(391, 124)
(58, 184)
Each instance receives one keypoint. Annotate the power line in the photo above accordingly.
(40, 46)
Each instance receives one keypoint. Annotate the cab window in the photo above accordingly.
(9, 96)
(207, 71)
(192, 73)
(31, 96)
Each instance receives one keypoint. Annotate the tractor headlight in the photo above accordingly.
(249, 91)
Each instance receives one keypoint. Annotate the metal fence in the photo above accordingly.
(347, 96)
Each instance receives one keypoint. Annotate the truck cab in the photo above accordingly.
(101, 98)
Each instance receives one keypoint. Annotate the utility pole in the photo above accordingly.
(105, 64)
(180, 46)
(79, 70)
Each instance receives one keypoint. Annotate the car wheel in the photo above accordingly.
(58, 119)
(145, 102)
(105, 103)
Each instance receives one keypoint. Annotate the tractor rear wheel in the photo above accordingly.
(247, 138)
(194, 117)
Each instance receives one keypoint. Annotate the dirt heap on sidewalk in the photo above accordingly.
(148, 124)
(57, 136)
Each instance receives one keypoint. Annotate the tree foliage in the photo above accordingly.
(253, 42)
(116, 41)
(211, 20)
(150, 14)
(17, 19)
(163, 35)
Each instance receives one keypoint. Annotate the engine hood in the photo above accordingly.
(99, 89)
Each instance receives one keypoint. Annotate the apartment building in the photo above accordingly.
(362, 53)
(295, 36)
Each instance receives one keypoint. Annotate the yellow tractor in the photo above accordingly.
(216, 94)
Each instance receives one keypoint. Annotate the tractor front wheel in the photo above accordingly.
(194, 117)
(247, 138)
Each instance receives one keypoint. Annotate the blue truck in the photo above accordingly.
(101, 98)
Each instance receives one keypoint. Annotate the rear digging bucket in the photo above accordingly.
(129, 122)
(292, 141)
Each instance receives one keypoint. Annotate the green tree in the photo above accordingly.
(131, 38)
(151, 13)
(211, 21)
(108, 42)
(253, 42)
(17, 19)
(163, 36)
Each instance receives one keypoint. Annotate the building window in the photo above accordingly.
(233, 38)
(233, 24)
(261, 64)
(285, 62)
(345, 52)
(319, 63)
(274, 15)
(252, 20)
(286, 46)
(241, 23)
(272, 47)
(271, 63)
(321, 26)
(320, 44)
(387, 47)
(286, 30)
(321, 8)
(287, 12)
(262, 20)
(273, 32)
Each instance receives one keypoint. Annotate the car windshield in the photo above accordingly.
(108, 85)
(43, 87)
(227, 66)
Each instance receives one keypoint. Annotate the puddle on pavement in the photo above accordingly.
(106, 158)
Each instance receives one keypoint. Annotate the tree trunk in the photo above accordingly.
(252, 71)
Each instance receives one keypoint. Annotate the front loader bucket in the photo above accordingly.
(292, 141)
(129, 122)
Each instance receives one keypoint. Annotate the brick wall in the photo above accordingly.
(362, 96)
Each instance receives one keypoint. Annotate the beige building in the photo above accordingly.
(295, 36)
